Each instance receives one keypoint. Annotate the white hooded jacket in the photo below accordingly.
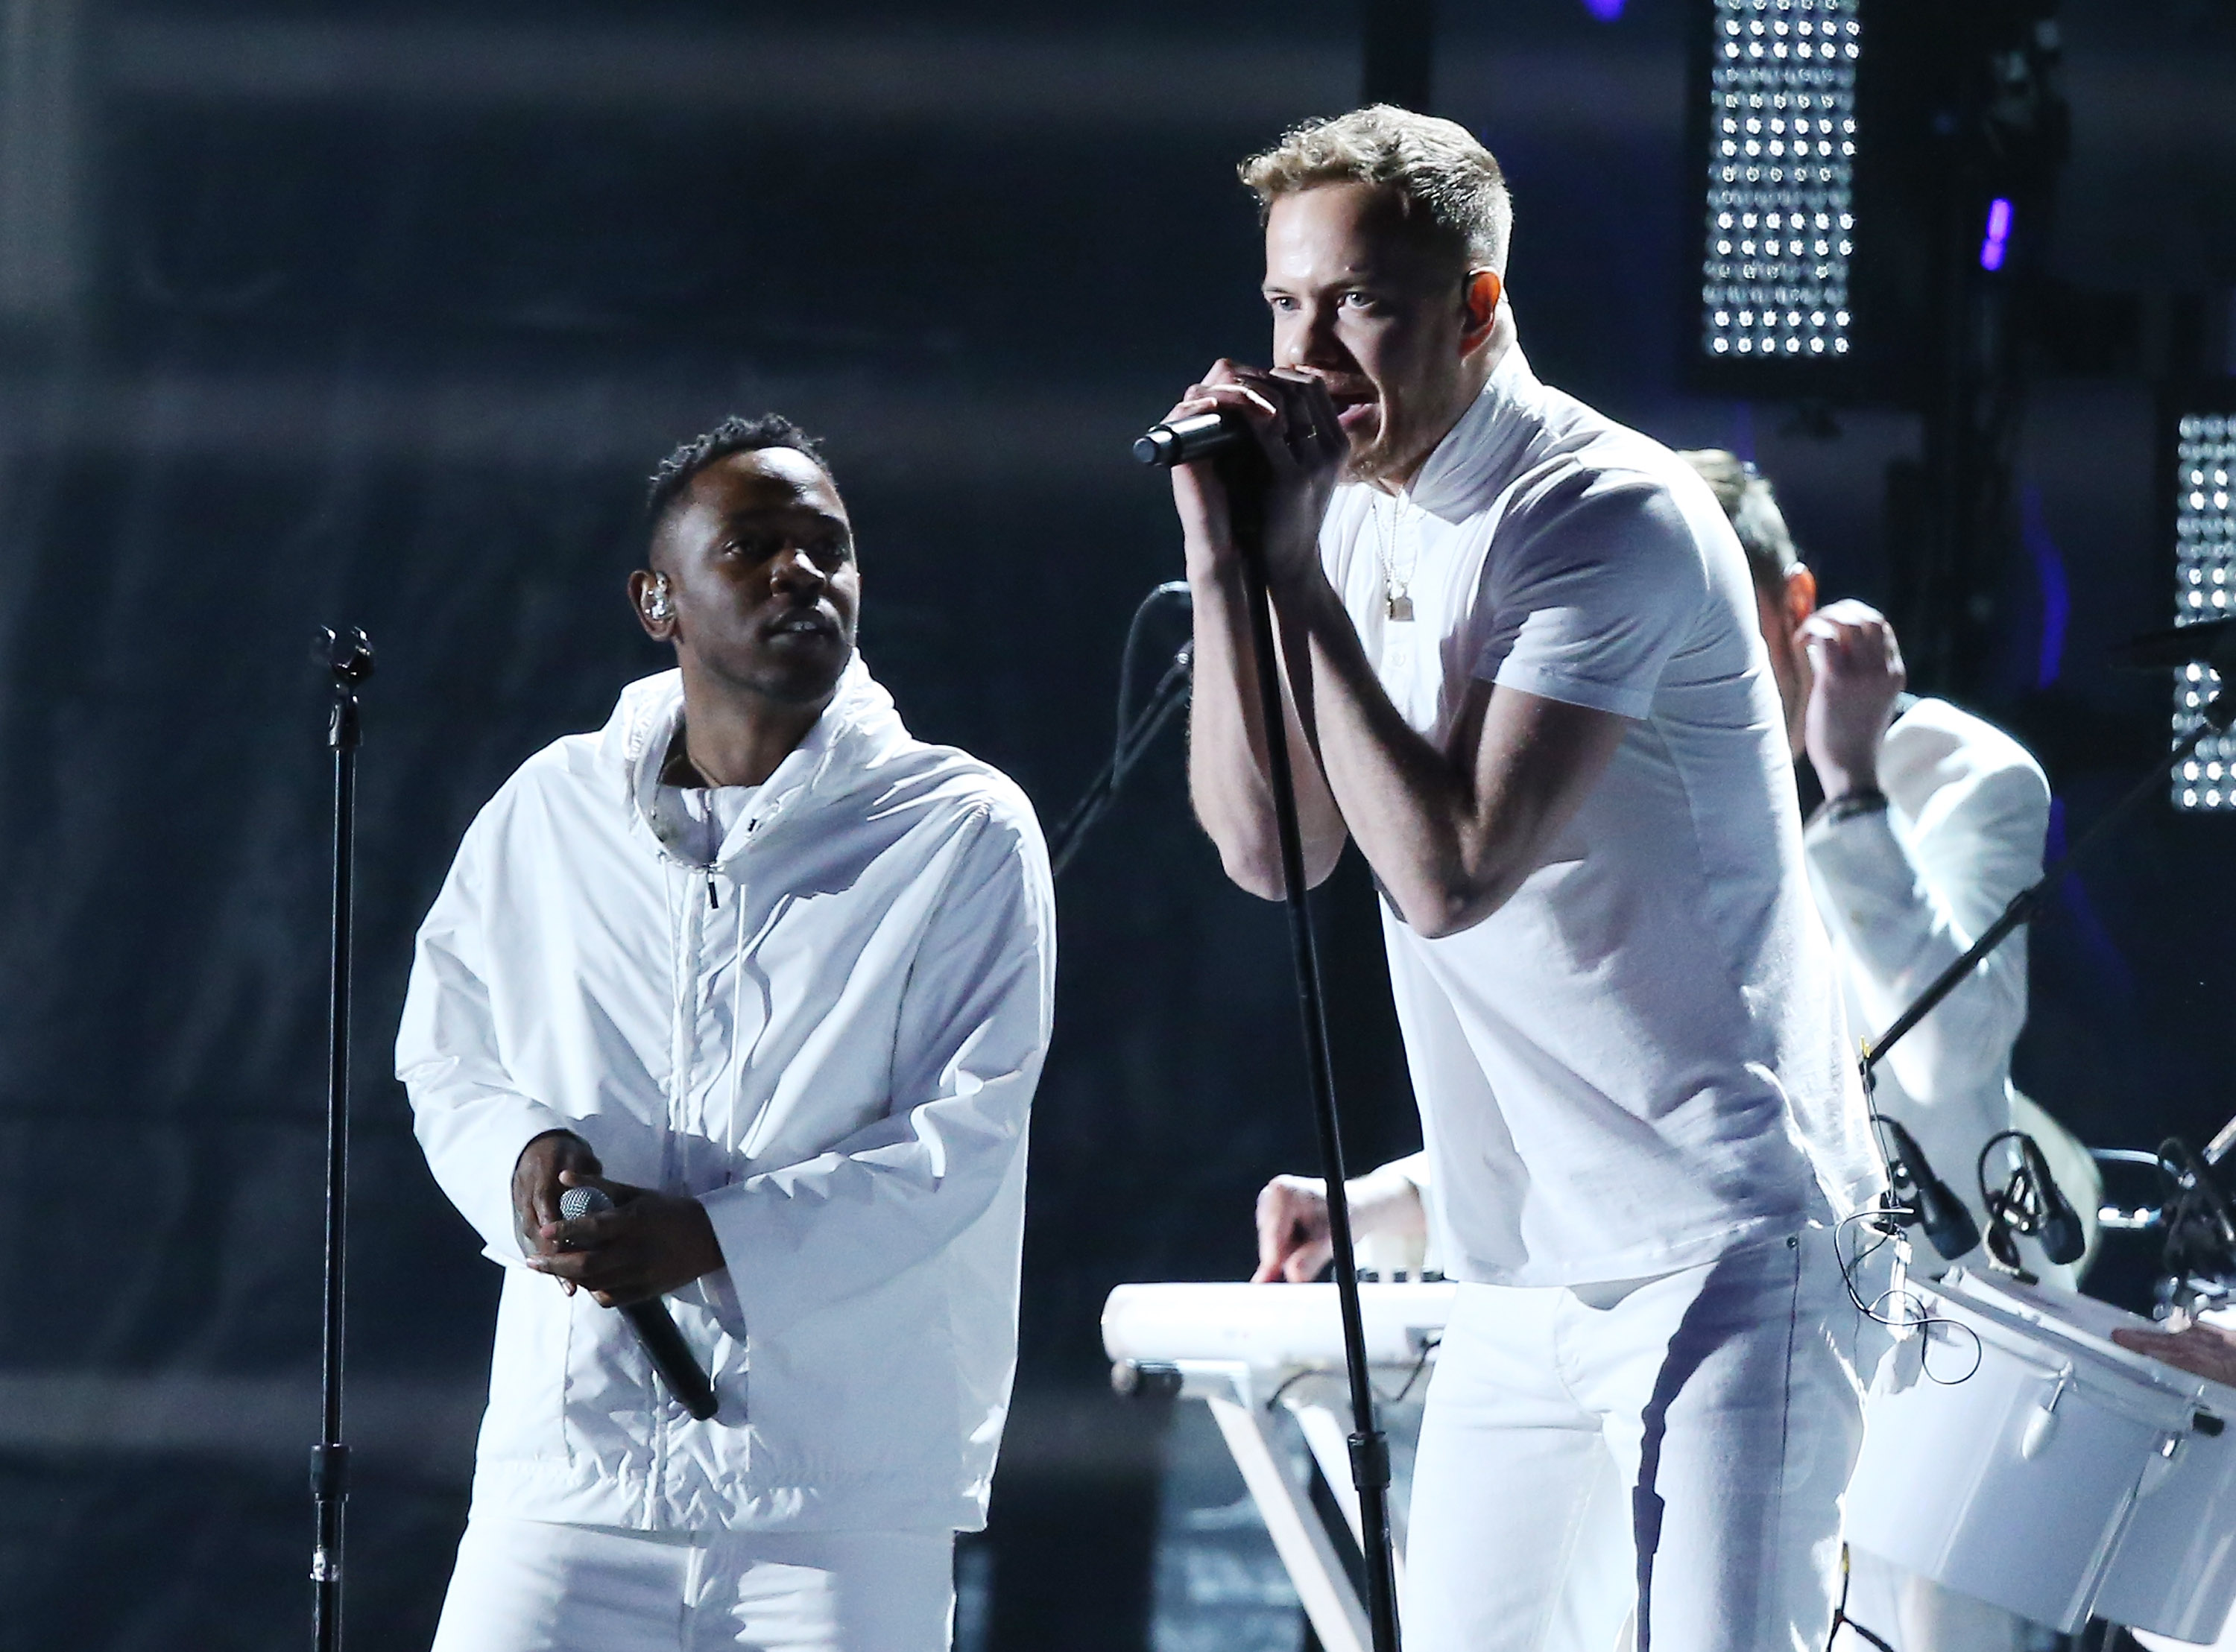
(831, 1037)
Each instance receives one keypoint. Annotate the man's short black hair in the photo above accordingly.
(736, 434)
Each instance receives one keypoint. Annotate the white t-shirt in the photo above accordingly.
(1638, 1062)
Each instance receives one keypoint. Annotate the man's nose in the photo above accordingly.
(1310, 340)
(793, 569)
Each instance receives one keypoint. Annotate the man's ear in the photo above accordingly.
(1480, 299)
(1800, 595)
(655, 606)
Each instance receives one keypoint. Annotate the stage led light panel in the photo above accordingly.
(1781, 179)
(2204, 588)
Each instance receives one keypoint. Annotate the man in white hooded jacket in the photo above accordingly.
(777, 979)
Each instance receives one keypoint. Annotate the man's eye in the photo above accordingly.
(1359, 301)
(1280, 301)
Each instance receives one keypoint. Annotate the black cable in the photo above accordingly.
(1428, 1347)
(1840, 1613)
(1913, 1314)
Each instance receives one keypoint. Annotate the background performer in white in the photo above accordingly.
(1525, 676)
(777, 977)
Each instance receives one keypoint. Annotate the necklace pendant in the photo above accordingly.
(1399, 605)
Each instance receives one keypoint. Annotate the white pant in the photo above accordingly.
(534, 1586)
(1675, 1446)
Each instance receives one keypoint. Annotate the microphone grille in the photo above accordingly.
(578, 1202)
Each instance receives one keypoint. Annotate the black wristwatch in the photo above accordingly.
(1864, 800)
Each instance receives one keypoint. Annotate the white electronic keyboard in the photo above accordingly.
(1244, 1350)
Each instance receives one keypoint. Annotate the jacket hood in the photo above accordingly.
(859, 729)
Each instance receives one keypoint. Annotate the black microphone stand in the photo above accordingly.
(2027, 904)
(1238, 468)
(348, 660)
(1136, 731)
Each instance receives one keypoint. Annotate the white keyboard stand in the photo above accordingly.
(1244, 1349)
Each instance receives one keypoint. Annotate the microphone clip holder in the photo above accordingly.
(2199, 1264)
(2029, 1205)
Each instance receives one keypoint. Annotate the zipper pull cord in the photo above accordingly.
(712, 899)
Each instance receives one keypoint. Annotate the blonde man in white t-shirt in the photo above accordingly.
(1931, 819)
(1525, 678)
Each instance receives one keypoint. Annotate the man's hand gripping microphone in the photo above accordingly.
(671, 1355)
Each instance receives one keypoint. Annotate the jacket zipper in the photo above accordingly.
(690, 939)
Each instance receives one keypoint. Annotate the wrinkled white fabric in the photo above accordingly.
(1672, 1447)
(536, 1586)
(830, 1036)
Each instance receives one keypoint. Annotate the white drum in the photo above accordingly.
(2065, 1477)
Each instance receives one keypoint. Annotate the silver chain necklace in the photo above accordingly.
(1396, 589)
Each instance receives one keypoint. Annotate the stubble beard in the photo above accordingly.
(772, 680)
(1384, 461)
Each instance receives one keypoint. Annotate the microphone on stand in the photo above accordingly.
(1940, 1212)
(671, 1354)
(1179, 442)
(2057, 1225)
(2029, 1203)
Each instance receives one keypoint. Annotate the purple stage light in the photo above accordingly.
(2049, 576)
(1999, 233)
(1605, 10)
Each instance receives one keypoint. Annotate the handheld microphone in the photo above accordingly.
(1179, 442)
(671, 1355)
(2057, 1226)
(1940, 1212)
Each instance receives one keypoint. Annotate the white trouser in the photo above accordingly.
(536, 1586)
(1676, 1446)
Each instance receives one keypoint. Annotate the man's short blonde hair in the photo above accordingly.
(1745, 494)
(1441, 175)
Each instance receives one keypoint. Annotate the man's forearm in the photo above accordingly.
(1451, 833)
(1228, 772)
(1386, 1201)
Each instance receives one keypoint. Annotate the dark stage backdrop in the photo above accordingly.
(378, 314)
